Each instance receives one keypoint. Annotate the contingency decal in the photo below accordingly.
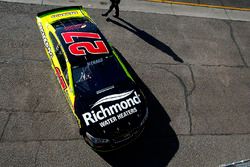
(123, 105)
(80, 48)
(46, 43)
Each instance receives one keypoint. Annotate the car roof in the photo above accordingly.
(79, 25)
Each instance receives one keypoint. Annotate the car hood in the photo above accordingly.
(112, 114)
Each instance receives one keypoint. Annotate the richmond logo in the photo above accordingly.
(104, 112)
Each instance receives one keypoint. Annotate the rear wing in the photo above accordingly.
(51, 16)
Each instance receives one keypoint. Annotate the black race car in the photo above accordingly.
(103, 95)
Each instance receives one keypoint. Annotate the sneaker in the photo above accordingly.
(105, 14)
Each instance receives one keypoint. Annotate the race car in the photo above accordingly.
(107, 102)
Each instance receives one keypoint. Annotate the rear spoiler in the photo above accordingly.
(56, 10)
(54, 15)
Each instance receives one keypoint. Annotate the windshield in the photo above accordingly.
(99, 75)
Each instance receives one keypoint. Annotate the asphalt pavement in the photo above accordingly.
(227, 3)
(199, 109)
(171, 7)
(222, 3)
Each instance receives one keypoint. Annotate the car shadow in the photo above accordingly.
(158, 143)
(146, 37)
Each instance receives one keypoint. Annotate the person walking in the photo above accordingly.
(114, 4)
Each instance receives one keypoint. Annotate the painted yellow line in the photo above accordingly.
(199, 5)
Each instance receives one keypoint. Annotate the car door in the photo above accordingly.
(61, 69)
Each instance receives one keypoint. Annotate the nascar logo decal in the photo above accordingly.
(116, 111)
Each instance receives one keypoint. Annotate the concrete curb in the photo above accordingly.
(150, 7)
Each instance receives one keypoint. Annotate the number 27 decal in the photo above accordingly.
(80, 48)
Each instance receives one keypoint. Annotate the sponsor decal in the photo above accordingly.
(73, 27)
(46, 43)
(104, 89)
(107, 115)
(112, 98)
(64, 14)
(61, 80)
(83, 26)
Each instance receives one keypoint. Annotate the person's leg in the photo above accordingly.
(116, 3)
(116, 10)
(110, 9)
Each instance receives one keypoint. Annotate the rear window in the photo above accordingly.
(81, 40)
(68, 23)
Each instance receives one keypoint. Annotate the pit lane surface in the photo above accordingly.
(206, 97)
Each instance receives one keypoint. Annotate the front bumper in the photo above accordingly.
(117, 143)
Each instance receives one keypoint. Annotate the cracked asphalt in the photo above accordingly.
(199, 109)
